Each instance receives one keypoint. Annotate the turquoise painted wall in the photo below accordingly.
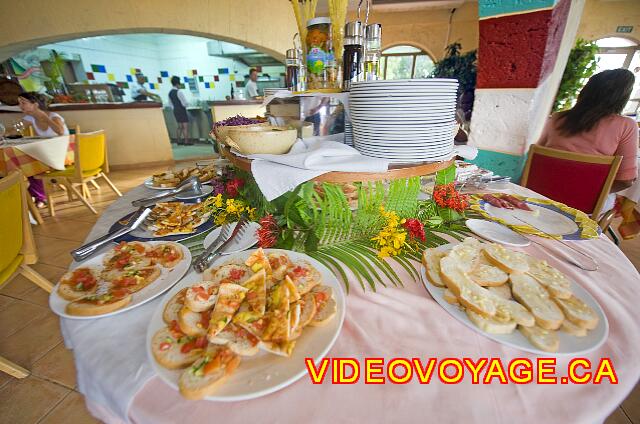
(488, 8)
(501, 163)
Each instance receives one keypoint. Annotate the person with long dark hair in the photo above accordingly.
(595, 124)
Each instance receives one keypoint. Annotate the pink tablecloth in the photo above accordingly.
(407, 322)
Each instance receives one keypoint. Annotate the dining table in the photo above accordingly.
(36, 155)
(120, 385)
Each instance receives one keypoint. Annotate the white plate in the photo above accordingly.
(493, 231)
(442, 147)
(167, 279)
(547, 220)
(390, 126)
(248, 239)
(148, 183)
(264, 373)
(569, 345)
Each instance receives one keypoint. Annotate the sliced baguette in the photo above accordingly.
(431, 261)
(546, 340)
(192, 323)
(230, 297)
(71, 289)
(513, 310)
(578, 312)
(503, 291)
(466, 254)
(173, 306)
(490, 324)
(449, 297)
(136, 279)
(553, 280)
(167, 254)
(304, 276)
(308, 311)
(488, 275)
(507, 260)
(573, 329)
(201, 296)
(203, 377)
(326, 306)
(531, 294)
(167, 350)
(226, 273)
(97, 304)
(281, 349)
(239, 340)
(468, 293)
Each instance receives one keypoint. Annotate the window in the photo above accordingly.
(403, 62)
(618, 52)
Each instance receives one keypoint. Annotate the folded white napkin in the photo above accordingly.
(307, 159)
(50, 151)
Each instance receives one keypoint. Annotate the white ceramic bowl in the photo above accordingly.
(222, 132)
(262, 139)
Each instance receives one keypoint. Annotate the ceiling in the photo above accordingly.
(398, 5)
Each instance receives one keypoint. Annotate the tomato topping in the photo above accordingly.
(153, 254)
(204, 318)
(121, 246)
(84, 278)
(300, 271)
(200, 292)
(251, 295)
(188, 347)
(237, 274)
(120, 292)
(138, 248)
(320, 296)
(226, 281)
(201, 342)
(165, 346)
(126, 281)
(175, 328)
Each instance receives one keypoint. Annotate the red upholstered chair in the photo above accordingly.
(578, 180)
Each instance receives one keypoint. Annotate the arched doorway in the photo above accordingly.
(405, 61)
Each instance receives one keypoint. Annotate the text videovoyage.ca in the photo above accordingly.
(543, 370)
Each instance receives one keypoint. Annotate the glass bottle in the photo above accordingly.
(373, 53)
(352, 58)
(292, 78)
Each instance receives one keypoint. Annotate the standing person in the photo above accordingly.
(595, 125)
(44, 124)
(179, 103)
(138, 91)
(251, 89)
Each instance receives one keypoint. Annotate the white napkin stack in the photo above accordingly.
(307, 159)
(50, 151)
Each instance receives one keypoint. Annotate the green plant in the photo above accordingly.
(463, 67)
(581, 65)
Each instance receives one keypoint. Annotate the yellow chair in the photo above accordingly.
(17, 249)
(90, 163)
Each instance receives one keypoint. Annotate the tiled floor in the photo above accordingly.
(30, 334)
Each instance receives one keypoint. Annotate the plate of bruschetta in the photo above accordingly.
(243, 328)
(514, 298)
(127, 275)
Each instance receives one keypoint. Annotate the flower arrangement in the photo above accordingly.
(446, 196)
(391, 239)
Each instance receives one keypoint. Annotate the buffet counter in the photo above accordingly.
(225, 109)
(136, 132)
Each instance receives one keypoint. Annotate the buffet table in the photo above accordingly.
(119, 383)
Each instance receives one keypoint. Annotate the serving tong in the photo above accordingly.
(91, 248)
(192, 184)
(217, 248)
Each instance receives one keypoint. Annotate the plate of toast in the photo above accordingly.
(127, 275)
(514, 298)
(243, 328)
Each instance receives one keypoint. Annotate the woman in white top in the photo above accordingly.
(44, 124)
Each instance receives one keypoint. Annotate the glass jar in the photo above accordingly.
(318, 43)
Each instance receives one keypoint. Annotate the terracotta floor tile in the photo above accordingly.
(5, 301)
(54, 251)
(31, 343)
(57, 365)
(71, 410)
(631, 405)
(17, 316)
(618, 417)
(29, 399)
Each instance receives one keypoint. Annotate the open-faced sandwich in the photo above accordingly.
(241, 308)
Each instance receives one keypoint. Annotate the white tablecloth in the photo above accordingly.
(50, 151)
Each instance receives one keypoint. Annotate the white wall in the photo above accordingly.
(176, 54)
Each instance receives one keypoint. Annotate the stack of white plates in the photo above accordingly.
(348, 133)
(404, 121)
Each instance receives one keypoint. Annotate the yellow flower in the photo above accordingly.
(392, 237)
(218, 200)
(221, 218)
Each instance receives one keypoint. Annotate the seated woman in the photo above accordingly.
(595, 125)
(44, 124)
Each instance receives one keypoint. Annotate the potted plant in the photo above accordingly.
(581, 65)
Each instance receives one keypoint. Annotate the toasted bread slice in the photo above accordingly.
(230, 296)
(304, 276)
(167, 254)
(295, 329)
(449, 297)
(193, 323)
(201, 296)
(280, 264)
(258, 260)
(173, 306)
(280, 349)
(202, 378)
(232, 272)
(578, 312)
(255, 302)
(98, 304)
(239, 340)
(468, 293)
(294, 295)
(553, 280)
(546, 340)
(326, 306)
(431, 261)
(168, 350)
(490, 324)
(513, 310)
(135, 279)
(503, 291)
(507, 260)
(573, 329)
(127, 255)
(488, 275)
(532, 295)
(308, 311)
(78, 283)
(466, 254)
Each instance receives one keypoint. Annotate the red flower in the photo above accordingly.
(233, 186)
(268, 232)
(446, 196)
(415, 228)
